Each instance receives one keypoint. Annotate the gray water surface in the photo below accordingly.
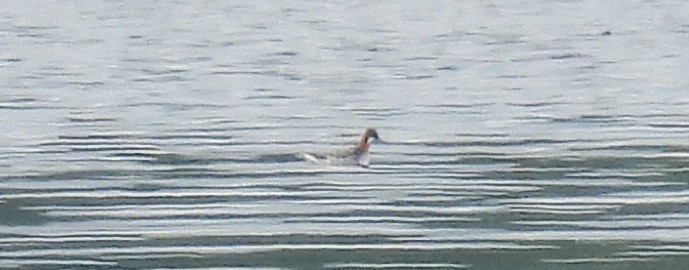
(519, 135)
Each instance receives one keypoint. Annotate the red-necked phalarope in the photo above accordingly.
(355, 155)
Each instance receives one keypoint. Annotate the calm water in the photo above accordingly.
(520, 135)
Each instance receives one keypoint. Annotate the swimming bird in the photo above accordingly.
(354, 155)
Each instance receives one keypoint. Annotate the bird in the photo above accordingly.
(353, 155)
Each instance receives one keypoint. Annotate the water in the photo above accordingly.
(530, 135)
